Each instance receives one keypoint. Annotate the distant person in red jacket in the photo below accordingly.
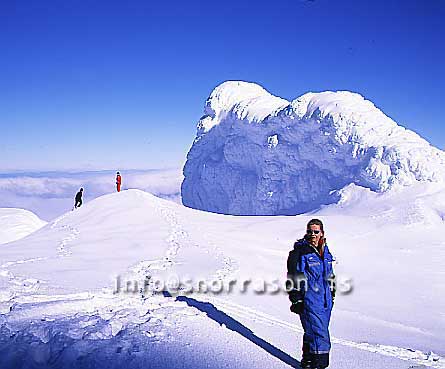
(118, 181)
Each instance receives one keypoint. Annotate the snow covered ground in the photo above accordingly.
(59, 306)
(17, 223)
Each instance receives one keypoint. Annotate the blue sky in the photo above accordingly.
(105, 85)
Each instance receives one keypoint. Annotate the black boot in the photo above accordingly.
(306, 359)
(320, 361)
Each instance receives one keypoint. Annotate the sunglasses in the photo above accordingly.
(310, 231)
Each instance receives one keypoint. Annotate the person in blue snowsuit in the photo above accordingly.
(312, 293)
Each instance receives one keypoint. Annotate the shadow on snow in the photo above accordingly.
(222, 318)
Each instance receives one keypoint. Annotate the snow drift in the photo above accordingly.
(17, 223)
(258, 154)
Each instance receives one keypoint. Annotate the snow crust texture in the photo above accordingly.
(258, 154)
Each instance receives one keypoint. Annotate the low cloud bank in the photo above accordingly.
(50, 194)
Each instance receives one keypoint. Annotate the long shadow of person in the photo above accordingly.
(222, 318)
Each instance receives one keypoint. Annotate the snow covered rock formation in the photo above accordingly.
(258, 154)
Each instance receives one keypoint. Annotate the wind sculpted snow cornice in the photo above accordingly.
(247, 101)
(345, 115)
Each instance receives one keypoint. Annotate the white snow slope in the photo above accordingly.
(257, 154)
(58, 309)
(17, 223)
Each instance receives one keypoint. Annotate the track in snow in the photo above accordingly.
(178, 239)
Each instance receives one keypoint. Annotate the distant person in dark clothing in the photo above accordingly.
(118, 182)
(78, 201)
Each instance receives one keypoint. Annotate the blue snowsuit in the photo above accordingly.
(314, 288)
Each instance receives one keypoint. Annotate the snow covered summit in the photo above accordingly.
(258, 154)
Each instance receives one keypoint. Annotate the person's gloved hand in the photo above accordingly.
(297, 307)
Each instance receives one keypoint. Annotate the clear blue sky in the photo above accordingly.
(102, 84)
